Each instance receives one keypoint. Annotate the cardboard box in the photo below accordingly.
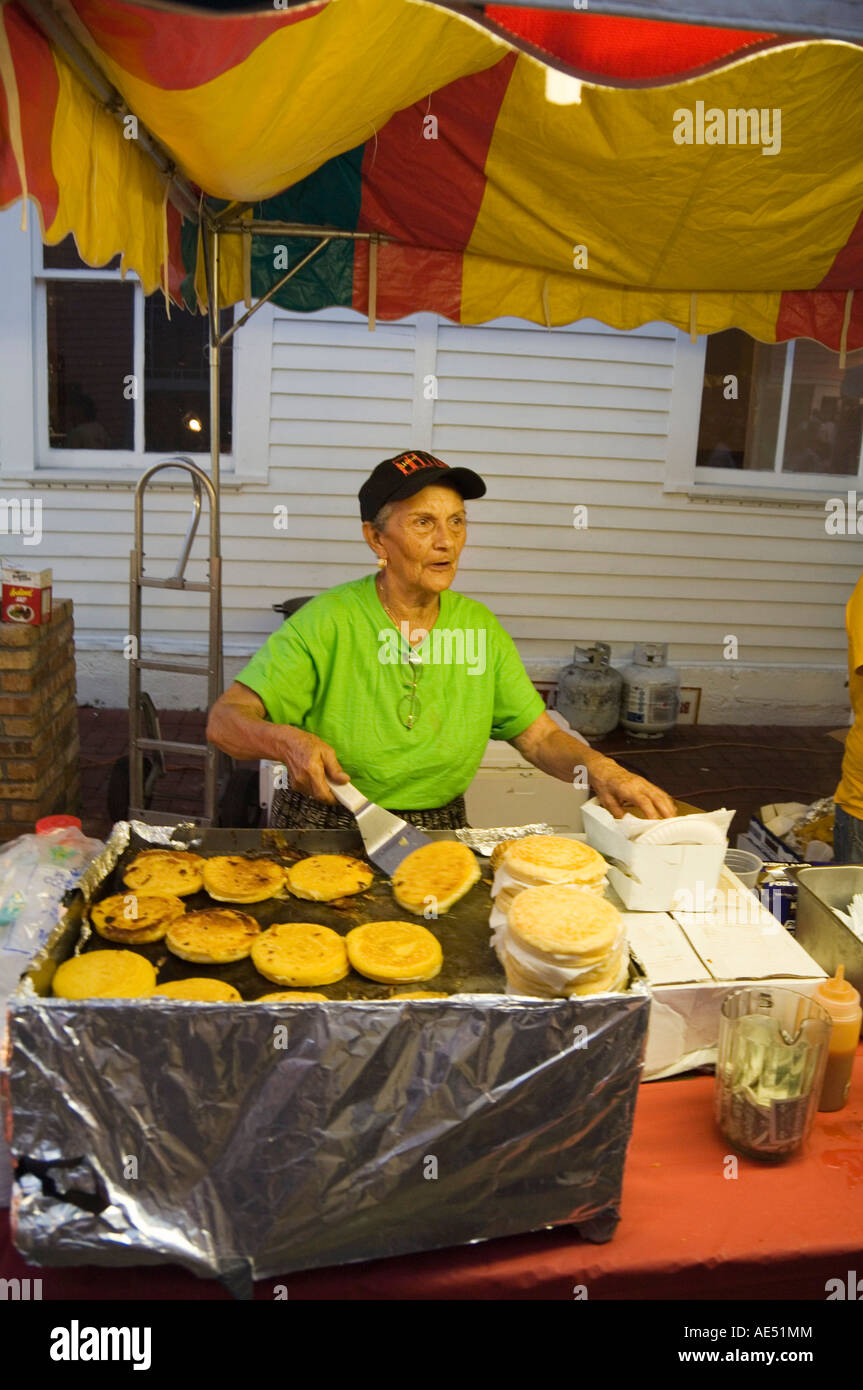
(648, 878)
(693, 961)
(762, 841)
(26, 596)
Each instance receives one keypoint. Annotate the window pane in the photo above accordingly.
(765, 404)
(64, 256)
(732, 384)
(90, 352)
(825, 412)
(177, 381)
(825, 407)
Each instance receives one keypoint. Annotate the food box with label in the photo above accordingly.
(26, 596)
(651, 878)
(693, 960)
(772, 849)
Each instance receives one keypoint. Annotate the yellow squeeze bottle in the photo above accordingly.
(842, 1002)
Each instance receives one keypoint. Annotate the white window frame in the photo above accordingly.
(25, 450)
(682, 475)
(95, 460)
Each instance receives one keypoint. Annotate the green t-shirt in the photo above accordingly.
(338, 668)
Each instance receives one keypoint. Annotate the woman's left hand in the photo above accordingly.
(619, 791)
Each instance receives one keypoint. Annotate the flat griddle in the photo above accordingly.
(469, 964)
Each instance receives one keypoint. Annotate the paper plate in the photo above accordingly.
(688, 832)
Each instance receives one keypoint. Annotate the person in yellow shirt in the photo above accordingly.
(848, 831)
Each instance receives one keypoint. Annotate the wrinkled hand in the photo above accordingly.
(620, 791)
(310, 761)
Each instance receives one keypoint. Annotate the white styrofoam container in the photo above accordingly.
(508, 790)
(648, 878)
(523, 796)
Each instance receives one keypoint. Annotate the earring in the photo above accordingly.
(382, 563)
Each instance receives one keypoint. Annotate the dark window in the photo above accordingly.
(93, 396)
(177, 381)
(90, 364)
(785, 407)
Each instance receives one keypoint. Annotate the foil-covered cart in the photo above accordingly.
(247, 1141)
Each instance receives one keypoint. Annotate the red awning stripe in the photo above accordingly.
(176, 50)
(410, 280)
(819, 314)
(626, 49)
(847, 267)
(37, 82)
(176, 269)
(418, 185)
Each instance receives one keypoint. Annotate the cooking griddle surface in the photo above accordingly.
(469, 964)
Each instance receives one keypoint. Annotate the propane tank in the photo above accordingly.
(651, 692)
(588, 691)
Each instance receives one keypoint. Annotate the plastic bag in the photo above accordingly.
(35, 872)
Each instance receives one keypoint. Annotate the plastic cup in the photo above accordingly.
(745, 866)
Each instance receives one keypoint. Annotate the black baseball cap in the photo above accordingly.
(410, 472)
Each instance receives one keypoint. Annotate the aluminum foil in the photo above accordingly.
(483, 840)
(797, 837)
(244, 1142)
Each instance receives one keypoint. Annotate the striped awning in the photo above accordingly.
(545, 164)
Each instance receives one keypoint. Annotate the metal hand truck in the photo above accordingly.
(141, 710)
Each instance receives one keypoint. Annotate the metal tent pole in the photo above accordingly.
(213, 762)
(215, 359)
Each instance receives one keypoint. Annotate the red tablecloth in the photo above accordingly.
(686, 1231)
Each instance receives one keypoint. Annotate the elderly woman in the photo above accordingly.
(396, 683)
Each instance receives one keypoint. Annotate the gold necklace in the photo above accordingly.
(389, 611)
(386, 609)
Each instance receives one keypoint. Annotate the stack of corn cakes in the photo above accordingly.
(554, 932)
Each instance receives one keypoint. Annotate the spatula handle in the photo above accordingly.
(347, 794)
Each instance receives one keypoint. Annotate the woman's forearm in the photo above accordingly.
(239, 727)
(570, 759)
(242, 734)
(560, 755)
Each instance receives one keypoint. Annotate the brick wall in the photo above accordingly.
(39, 774)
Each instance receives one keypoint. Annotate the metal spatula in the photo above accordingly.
(387, 838)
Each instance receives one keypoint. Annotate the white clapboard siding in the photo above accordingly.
(648, 566)
(553, 420)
